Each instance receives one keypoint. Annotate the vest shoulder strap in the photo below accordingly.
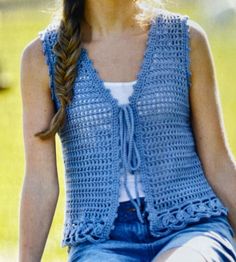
(48, 37)
(176, 27)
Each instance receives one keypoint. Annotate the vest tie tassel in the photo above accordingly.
(129, 153)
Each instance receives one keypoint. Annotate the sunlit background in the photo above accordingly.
(20, 21)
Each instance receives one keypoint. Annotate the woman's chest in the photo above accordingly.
(117, 59)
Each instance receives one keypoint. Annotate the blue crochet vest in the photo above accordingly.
(152, 136)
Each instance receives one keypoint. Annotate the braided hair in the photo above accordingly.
(67, 49)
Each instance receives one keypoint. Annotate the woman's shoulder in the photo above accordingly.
(170, 16)
(33, 55)
(33, 61)
(197, 34)
(38, 52)
(45, 37)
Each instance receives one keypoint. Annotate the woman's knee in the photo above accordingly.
(181, 253)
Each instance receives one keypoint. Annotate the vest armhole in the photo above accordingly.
(187, 49)
(44, 37)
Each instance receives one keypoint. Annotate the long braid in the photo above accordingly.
(67, 50)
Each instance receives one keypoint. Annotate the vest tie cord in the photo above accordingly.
(129, 153)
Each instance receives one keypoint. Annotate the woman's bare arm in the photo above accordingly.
(40, 189)
(208, 124)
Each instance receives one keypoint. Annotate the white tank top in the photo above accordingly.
(121, 91)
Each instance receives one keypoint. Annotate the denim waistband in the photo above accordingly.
(127, 212)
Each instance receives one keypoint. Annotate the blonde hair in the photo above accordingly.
(67, 50)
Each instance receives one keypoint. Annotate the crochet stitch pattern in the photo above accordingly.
(151, 135)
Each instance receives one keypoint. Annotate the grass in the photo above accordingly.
(16, 30)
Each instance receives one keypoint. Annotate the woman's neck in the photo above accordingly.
(105, 18)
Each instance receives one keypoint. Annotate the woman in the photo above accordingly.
(135, 186)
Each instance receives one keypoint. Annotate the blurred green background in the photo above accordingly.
(20, 21)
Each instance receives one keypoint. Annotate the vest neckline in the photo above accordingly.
(99, 84)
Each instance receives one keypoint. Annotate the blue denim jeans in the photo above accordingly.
(131, 241)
